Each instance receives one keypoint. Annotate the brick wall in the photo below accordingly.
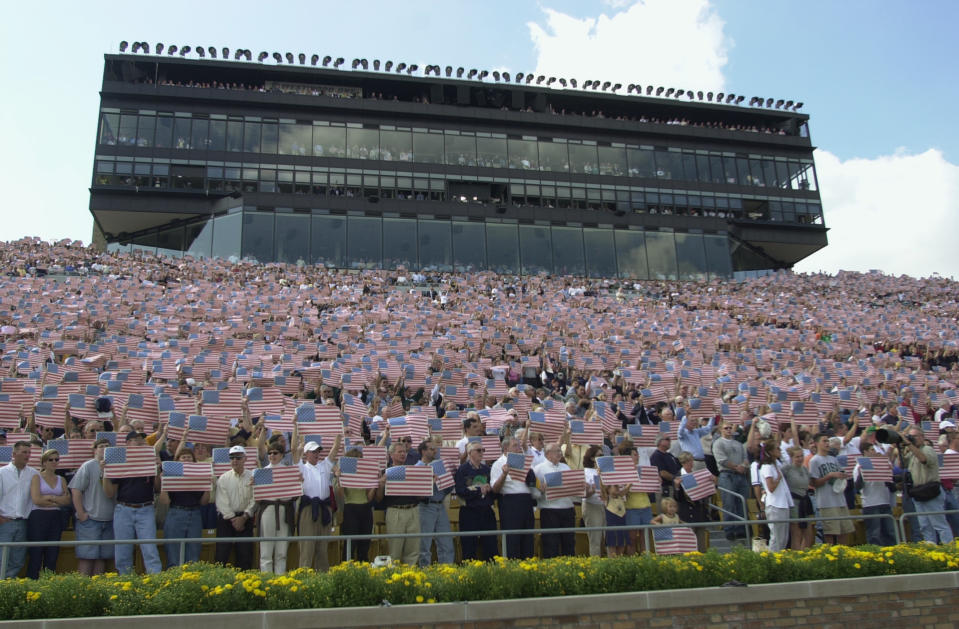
(913, 601)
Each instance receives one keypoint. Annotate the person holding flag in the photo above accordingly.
(476, 513)
(555, 512)
(433, 515)
(402, 513)
(876, 497)
(134, 516)
(315, 516)
(183, 518)
(358, 502)
(516, 504)
(234, 504)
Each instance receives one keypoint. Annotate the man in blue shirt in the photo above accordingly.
(690, 439)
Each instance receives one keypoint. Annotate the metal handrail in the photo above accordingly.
(745, 509)
(646, 528)
(901, 523)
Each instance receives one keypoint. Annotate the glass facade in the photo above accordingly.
(340, 187)
(451, 147)
(367, 242)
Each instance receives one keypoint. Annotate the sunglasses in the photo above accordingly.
(237, 456)
(479, 450)
(272, 452)
(54, 460)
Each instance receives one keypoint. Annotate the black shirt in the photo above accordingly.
(134, 490)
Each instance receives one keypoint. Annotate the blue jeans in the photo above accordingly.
(434, 519)
(14, 531)
(91, 529)
(879, 531)
(738, 484)
(950, 504)
(930, 525)
(909, 506)
(182, 523)
(130, 523)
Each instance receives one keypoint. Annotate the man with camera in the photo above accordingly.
(923, 466)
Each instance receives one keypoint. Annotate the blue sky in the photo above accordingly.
(877, 78)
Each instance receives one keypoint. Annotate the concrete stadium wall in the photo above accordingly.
(927, 600)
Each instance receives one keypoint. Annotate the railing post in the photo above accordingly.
(4, 557)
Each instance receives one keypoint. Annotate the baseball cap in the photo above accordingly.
(135, 435)
(237, 450)
(946, 424)
(311, 446)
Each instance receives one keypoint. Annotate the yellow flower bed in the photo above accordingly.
(211, 588)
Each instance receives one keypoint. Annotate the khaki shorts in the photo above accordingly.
(836, 527)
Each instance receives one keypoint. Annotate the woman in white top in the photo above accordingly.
(48, 492)
(777, 499)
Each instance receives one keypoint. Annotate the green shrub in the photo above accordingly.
(203, 587)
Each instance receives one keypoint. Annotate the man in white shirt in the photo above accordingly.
(15, 505)
(557, 513)
(315, 516)
(516, 504)
(234, 504)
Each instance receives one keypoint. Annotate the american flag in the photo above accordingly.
(491, 446)
(109, 436)
(930, 430)
(221, 459)
(699, 484)
(49, 413)
(649, 479)
(564, 484)
(73, 452)
(550, 427)
(409, 480)
(225, 404)
(277, 423)
(519, 465)
(848, 462)
(450, 429)
(617, 470)
(674, 540)
(415, 427)
(277, 483)
(353, 406)
(323, 420)
(9, 412)
(949, 466)
(395, 409)
(208, 430)
(450, 456)
(607, 416)
(264, 401)
(444, 479)
(876, 469)
(359, 473)
(129, 462)
(374, 453)
(803, 416)
(138, 407)
(585, 433)
(185, 476)
(643, 435)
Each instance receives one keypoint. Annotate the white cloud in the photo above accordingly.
(653, 42)
(897, 213)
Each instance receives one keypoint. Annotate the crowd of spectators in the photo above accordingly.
(784, 378)
(423, 98)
